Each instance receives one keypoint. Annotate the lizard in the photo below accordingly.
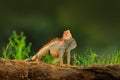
(57, 48)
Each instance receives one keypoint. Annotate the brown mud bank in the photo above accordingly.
(20, 70)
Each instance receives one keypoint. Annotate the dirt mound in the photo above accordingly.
(20, 70)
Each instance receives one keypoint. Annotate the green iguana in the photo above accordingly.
(57, 47)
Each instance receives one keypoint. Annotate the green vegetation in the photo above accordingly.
(88, 58)
(91, 58)
(50, 59)
(17, 48)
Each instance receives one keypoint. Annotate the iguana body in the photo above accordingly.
(57, 47)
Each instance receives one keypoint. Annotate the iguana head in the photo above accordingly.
(67, 35)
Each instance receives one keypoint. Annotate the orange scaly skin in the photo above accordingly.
(57, 47)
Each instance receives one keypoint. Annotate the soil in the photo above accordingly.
(21, 70)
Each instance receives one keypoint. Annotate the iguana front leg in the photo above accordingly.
(61, 58)
(68, 57)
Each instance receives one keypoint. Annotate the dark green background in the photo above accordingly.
(94, 23)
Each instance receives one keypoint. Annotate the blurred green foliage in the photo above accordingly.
(50, 59)
(17, 47)
(91, 58)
